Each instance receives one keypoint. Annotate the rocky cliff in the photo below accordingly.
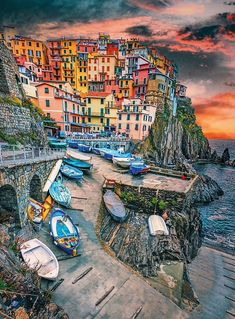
(173, 139)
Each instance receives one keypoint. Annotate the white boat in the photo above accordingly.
(52, 176)
(122, 161)
(39, 257)
(157, 226)
(76, 155)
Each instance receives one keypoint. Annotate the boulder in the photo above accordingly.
(225, 156)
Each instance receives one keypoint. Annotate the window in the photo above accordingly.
(89, 111)
(66, 117)
(144, 128)
(103, 60)
(128, 126)
(108, 68)
(74, 119)
(89, 100)
(101, 112)
(64, 51)
(73, 108)
(137, 117)
(78, 108)
(46, 90)
(83, 120)
(65, 106)
(29, 44)
(145, 81)
(136, 127)
(37, 45)
(60, 86)
(38, 54)
(70, 43)
(101, 120)
(128, 117)
(47, 103)
(108, 59)
(30, 52)
(89, 119)
(119, 125)
(102, 101)
(136, 81)
(119, 117)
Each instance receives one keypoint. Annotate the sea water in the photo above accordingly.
(218, 217)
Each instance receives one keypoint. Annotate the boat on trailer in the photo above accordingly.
(157, 226)
(115, 206)
(39, 257)
(64, 232)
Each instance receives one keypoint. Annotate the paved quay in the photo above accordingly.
(130, 292)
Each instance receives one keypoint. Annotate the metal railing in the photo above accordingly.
(10, 155)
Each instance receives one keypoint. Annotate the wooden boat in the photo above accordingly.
(157, 226)
(34, 211)
(60, 193)
(48, 204)
(84, 166)
(78, 156)
(73, 144)
(84, 148)
(124, 162)
(57, 144)
(64, 232)
(52, 176)
(137, 168)
(39, 257)
(71, 172)
(115, 206)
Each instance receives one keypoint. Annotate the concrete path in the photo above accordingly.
(213, 277)
(129, 293)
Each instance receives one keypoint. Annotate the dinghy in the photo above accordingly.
(73, 144)
(109, 154)
(39, 257)
(157, 226)
(60, 193)
(96, 150)
(71, 172)
(57, 144)
(34, 211)
(84, 166)
(52, 176)
(115, 206)
(75, 155)
(48, 204)
(124, 162)
(137, 168)
(64, 232)
(84, 148)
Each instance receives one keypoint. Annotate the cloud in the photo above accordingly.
(141, 30)
(216, 115)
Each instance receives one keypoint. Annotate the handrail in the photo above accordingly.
(10, 155)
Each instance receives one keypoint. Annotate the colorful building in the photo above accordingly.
(135, 118)
(140, 79)
(35, 51)
(125, 87)
(110, 117)
(180, 90)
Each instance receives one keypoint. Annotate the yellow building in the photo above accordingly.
(81, 76)
(95, 110)
(33, 50)
(68, 58)
(125, 87)
(110, 113)
(101, 67)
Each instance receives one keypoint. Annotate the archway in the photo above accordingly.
(36, 188)
(9, 210)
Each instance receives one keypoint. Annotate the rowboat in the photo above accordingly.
(57, 144)
(137, 168)
(71, 172)
(52, 176)
(73, 144)
(115, 206)
(60, 193)
(84, 166)
(84, 148)
(157, 226)
(64, 232)
(48, 204)
(109, 154)
(96, 150)
(39, 257)
(38, 212)
(75, 155)
(124, 162)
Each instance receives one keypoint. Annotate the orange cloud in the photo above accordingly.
(184, 9)
(216, 115)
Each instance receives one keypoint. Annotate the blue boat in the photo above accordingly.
(84, 148)
(71, 172)
(64, 232)
(60, 193)
(96, 150)
(137, 168)
(109, 154)
(84, 166)
(73, 144)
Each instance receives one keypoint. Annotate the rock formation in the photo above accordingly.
(206, 190)
(225, 156)
(176, 138)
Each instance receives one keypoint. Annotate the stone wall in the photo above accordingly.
(20, 178)
(18, 122)
(10, 83)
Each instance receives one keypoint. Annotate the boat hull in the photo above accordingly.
(64, 232)
(157, 226)
(75, 155)
(71, 172)
(115, 206)
(39, 257)
(60, 194)
(123, 162)
(138, 169)
(52, 176)
(78, 164)
(73, 144)
(84, 148)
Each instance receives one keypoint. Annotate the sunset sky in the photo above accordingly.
(198, 35)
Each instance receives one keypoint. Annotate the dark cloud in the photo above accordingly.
(27, 13)
(229, 3)
(141, 30)
(231, 84)
(213, 28)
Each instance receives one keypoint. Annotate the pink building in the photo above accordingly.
(112, 86)
(140, 77)
(135, 119)
(59, 104)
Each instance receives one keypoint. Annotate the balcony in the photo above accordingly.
(56, 67)
(140, 84)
